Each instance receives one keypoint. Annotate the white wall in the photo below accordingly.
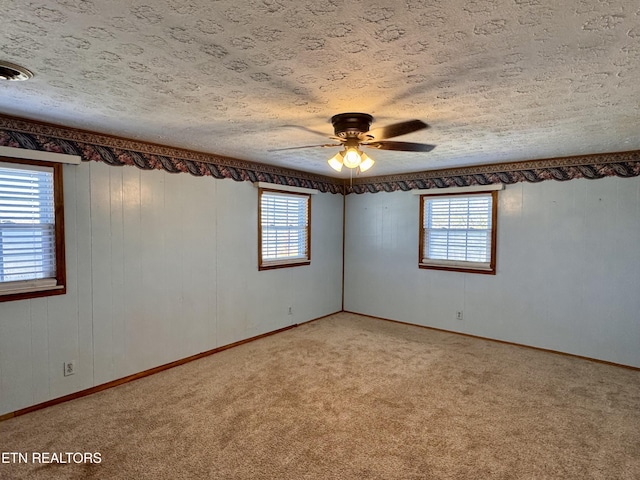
(568, 268)
(160, 266)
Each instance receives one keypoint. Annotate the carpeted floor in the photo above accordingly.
(350, 397)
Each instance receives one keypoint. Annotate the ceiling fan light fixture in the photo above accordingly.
(353, 130)
(367, 162)
(352, 157)
(336, 161)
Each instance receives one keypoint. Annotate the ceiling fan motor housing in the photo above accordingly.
(347, 125)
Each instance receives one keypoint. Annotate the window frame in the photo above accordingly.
(459, 268)
(58, 198)
(270, 265)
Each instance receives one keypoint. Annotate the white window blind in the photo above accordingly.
(27, 225)
(285, 226)
(457, 230)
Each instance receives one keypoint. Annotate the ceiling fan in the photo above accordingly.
(353, 130)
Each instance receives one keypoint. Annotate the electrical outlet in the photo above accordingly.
(69, 368)
(459, 315)
(290, 310)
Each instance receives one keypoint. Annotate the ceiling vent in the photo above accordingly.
(11, 71)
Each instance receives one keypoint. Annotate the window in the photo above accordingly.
(458, 232)
(283, 231)
(32, 260)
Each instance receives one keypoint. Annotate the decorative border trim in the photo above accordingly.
(623, 164)
(115, 151)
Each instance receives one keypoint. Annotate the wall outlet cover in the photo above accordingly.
(69, 368)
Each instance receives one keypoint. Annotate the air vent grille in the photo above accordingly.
(10, 71)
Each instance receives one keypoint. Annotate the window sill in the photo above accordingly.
(284, 264)
(7, 295)
(458, 268)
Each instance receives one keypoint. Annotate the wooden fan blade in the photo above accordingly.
(401, 146)
(305, 146)
(395, 130)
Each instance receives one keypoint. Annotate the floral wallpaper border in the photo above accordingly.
(624, 164)
(20, 133)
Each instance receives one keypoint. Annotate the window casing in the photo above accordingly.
(458, 232)
(32, 260)
(284, 229)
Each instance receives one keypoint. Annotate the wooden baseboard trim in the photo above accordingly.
(145, 373)
(319, 318)
(504, 342)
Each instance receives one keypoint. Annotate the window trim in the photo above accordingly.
(270, 265)
(458, 268)
(61, 276)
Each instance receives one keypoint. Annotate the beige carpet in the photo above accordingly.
(350, 397)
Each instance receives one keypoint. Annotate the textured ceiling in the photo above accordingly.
(497, 80)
